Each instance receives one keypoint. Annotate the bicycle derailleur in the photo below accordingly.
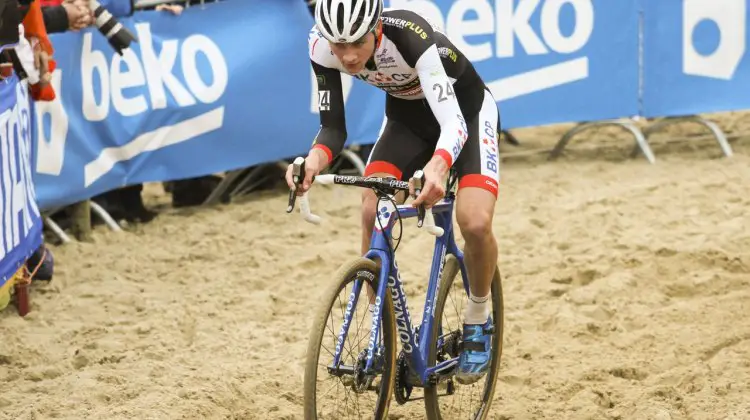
(449, 347)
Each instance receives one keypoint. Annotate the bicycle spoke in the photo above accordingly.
(478, 398)
(346, 399)
(352, 403)
(334, 337)
(331, 329)
(467, 400)
(354, 322)
(343, 345)
(335, 384)
(460, 402)
(360, 324)
(359, 413)
(329, 352)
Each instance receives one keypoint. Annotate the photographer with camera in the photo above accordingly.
(66, 15)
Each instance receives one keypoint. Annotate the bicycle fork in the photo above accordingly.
(373, 348)
(335, 368)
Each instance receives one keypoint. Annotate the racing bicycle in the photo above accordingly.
(366, 366)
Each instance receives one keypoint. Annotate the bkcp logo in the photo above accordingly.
(510, 21)
(722, 21)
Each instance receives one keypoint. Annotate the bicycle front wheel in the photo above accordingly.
(448, 399)
(347, 391)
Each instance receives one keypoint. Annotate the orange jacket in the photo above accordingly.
(33, 24)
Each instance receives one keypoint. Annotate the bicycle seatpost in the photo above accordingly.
(298, 175)
(418, 179)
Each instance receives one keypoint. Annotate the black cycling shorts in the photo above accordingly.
(409, 136)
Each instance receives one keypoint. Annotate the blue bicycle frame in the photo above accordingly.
(416, 348)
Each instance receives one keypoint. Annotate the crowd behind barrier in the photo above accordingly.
(26, 62)
(228, 85)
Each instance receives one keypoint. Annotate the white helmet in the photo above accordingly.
(347, 20)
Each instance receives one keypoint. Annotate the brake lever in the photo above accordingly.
(298, 175)
(418, 180)
(423, 214)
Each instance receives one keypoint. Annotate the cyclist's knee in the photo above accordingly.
(474, 213)
(475, 225)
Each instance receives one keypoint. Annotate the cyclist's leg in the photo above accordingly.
(379, 169)
(478, 170)
(397, 153)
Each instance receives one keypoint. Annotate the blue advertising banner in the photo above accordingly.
(21, 232)
(546, 61)
(695, 56)
(217, 88)
(229, 85)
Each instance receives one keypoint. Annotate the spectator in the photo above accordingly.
(175, 9)
(33, 55)
(64, 15)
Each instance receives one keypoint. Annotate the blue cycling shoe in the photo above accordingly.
(476, 351)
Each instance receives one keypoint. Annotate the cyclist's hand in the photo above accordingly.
(313, 165)
(433, 189)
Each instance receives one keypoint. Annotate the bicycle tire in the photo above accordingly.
(345, 274)
(450, 273)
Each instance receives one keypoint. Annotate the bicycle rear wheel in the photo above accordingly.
(448, 399)
(364, 396)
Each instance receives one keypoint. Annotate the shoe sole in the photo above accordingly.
(468, 380)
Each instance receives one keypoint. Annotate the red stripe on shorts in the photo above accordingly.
(381, 166)
(479, 181)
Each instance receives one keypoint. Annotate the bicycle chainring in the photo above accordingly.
(402, 390)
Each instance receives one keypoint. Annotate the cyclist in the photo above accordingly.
(439, 114)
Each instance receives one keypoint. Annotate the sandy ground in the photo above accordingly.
(627, 290)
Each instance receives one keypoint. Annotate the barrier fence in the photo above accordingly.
(228, 85)
(20, 215)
